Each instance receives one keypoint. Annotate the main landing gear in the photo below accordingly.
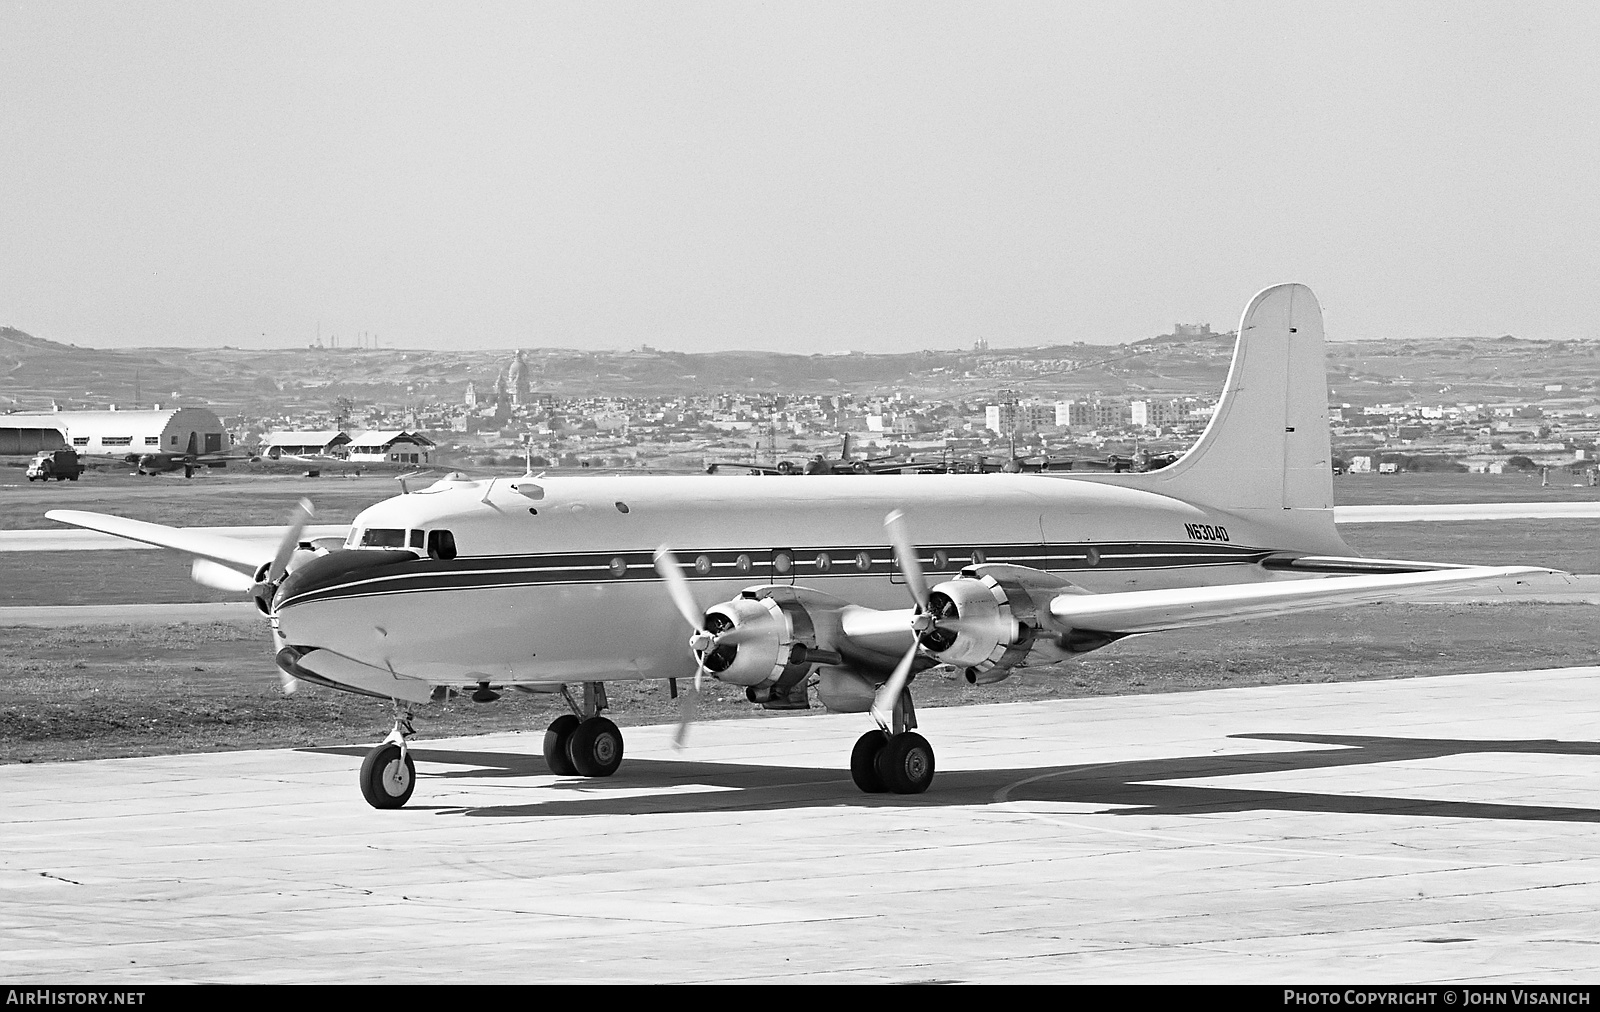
(900, 762)
(583, 743)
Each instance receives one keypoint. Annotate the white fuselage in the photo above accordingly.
(562, 587)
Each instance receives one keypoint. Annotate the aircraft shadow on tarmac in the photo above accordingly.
(1129, 787)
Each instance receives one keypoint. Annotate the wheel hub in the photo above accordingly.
(916, 764)
(396, 778)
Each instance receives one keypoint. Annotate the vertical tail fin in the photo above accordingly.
(1266, 453)
(1267, 446)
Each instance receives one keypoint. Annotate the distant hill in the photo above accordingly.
(259, 382)
(34, 371)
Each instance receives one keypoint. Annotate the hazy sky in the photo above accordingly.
(792, 176)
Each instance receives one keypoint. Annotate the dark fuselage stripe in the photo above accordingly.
(765, 566)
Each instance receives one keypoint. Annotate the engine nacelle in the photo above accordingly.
(989, 632)
(1005, 621)
(761, 657)
(780, 637)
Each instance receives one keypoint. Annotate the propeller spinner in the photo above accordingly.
(924, 618)
(703, 642)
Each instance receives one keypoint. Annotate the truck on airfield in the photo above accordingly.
(62, 465)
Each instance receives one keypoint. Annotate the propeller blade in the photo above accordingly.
(678, 588)
(906, 553)
(884, 702)
(219, 577)
(297, 523)
(688, 700)
(688, 704)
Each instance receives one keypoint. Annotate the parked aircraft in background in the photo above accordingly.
(845, 463)
(855, 587)
(189, 461)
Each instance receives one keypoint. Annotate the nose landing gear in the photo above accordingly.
(388, 776)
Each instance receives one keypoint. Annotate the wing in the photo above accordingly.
(1143, 611)
(714, 465)
(216, 547)
(1467, 511)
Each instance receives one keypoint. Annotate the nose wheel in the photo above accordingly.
(388, 776)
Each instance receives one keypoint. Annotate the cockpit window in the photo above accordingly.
(441, 545)
(383, 537)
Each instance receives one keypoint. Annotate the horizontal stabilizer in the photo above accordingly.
(216, 547)
(1143, 611)
(1450, 512)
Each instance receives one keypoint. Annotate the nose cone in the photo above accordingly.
(339, 573)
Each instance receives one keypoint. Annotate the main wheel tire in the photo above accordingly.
(388, 776)
(595, 747)
(864, 762)
(906, 763)
(555, 745)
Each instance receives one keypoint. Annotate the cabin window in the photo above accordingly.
(441, 545)
(416, 539)
(383, 537)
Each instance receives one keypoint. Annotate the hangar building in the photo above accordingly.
(395, 446)
(28, 439)
(120, 433)
(328, 443)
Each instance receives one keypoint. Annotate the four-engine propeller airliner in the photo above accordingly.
(852, 585)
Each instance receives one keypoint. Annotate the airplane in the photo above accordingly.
(819, 464)
(555, 583)
(190, 460)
